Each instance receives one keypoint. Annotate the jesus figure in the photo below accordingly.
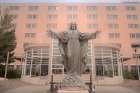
(73, 47)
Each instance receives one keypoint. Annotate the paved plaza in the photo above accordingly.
(17, 86)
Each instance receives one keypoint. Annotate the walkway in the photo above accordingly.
(16, 86)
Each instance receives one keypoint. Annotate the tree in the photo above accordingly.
(7, 37)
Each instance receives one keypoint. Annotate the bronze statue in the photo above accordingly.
(73, 47)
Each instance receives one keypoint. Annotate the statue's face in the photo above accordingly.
(73, 27)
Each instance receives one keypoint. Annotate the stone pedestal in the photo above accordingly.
(72, 90)
(68, 91)
(72, 83)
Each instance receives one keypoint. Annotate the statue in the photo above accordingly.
(73, 47)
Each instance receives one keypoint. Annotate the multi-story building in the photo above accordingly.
(119, 24)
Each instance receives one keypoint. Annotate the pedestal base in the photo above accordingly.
(72, 91)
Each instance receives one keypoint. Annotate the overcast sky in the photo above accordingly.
(93, 1)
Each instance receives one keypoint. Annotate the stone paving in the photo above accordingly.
(17, 86)
(11, 84)
(114, 89)
(43, 89)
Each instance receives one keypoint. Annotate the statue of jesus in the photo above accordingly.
(73, 47)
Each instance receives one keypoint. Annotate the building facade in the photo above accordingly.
(119, 24)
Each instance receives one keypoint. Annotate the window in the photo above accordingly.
(113, 26)
(91, 8)
(72, 16)
(133, 26)
(33, 8)
(13, 8)
(30, 35)
(111, 8)
(30, 25)
(135, 35)
(133, 68)
(114, 35)
(72, 8)
(92, 26)
(112, 17)
(51, 26)
(51, 8)
(133, 17)
(130, 8)
(92, 16)
(136, 55)
(32, 16)
(52, 16)
(125, 68)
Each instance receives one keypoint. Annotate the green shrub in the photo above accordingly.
(108, 73)
(130, 75)
(135, 75)
(11, 73)
(2, 70)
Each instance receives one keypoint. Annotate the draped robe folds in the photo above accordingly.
(73, 47)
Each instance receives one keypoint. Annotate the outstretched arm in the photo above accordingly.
(87, 36)
(54, 34)
(61, 36)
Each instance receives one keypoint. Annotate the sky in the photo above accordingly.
(73, 1)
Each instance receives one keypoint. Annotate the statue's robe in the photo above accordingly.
(73, 47)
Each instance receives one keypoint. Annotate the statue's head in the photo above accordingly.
(73, 26)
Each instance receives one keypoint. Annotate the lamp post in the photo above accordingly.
(137, 65)
(6, 66)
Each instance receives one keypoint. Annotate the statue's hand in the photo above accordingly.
(49, 32)
(97, 33)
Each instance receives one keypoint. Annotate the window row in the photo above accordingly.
(75, 16)
(90, 25)
(33, 25)
(110, 35)
(52, 8)
(117, 35)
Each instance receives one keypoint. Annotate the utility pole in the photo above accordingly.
(6, 65)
